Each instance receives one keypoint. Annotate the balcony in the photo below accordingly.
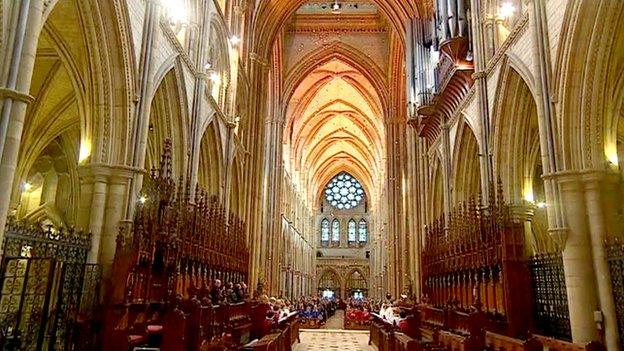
(453, 80)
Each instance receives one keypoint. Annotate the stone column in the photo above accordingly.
(480, 62)
(599, 186)
(118, 184)
(96, 218)
(580, 275)
(197, 112)
(142, 115)
(14, 92)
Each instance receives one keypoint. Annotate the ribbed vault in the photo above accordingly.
(272, 14)
(334, 123)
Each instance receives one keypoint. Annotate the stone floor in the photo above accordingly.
(336, 321)
(333, 337)
(328, 339)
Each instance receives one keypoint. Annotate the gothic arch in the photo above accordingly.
(466, 167)
(588, 84)
(211, 160)
(515, 136)
(334, 273)
(271, 16)
(168, 120)
(77, 95)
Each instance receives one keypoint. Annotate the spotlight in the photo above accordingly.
(143, 199)
(540, 204)
(27, 186)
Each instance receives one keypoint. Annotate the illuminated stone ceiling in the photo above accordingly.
(335, 111)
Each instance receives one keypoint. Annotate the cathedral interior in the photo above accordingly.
(194, 175)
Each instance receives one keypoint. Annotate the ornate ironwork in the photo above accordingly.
(615, 257)
(43, 276)
(552, 317)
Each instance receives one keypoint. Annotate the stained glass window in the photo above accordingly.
(363, 231)
(336, 231)
(325, 230)
(344, 192)
(351, 231)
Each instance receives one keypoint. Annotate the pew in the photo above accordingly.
(270, 342)
(403, 342)
(497, 342)
(375, 330)
(553, 344)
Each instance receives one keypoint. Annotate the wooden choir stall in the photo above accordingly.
(167, 260)
(477, 291)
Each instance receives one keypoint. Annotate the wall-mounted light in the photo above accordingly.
(336, 7)
(143, 199)
(528, 195)
(235, 40)
(506, 10)
(208, 66)
(541, 204)
(611, 154)
(85, 151)
(27, 186)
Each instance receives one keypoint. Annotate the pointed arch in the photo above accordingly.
(168, 120)
(589, 85)
(211, 160)
(515, 136)
(466, 169)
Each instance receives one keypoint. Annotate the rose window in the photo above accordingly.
(344, 192)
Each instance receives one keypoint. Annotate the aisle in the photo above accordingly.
(343, 340)
(336, 321)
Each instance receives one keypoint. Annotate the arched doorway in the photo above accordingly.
(356, 286)
(329, 284)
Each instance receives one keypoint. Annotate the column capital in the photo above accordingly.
(583, 176)
(95, 171)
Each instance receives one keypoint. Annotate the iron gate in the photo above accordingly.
(552, 317)
(615, 257)
(46, 287)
